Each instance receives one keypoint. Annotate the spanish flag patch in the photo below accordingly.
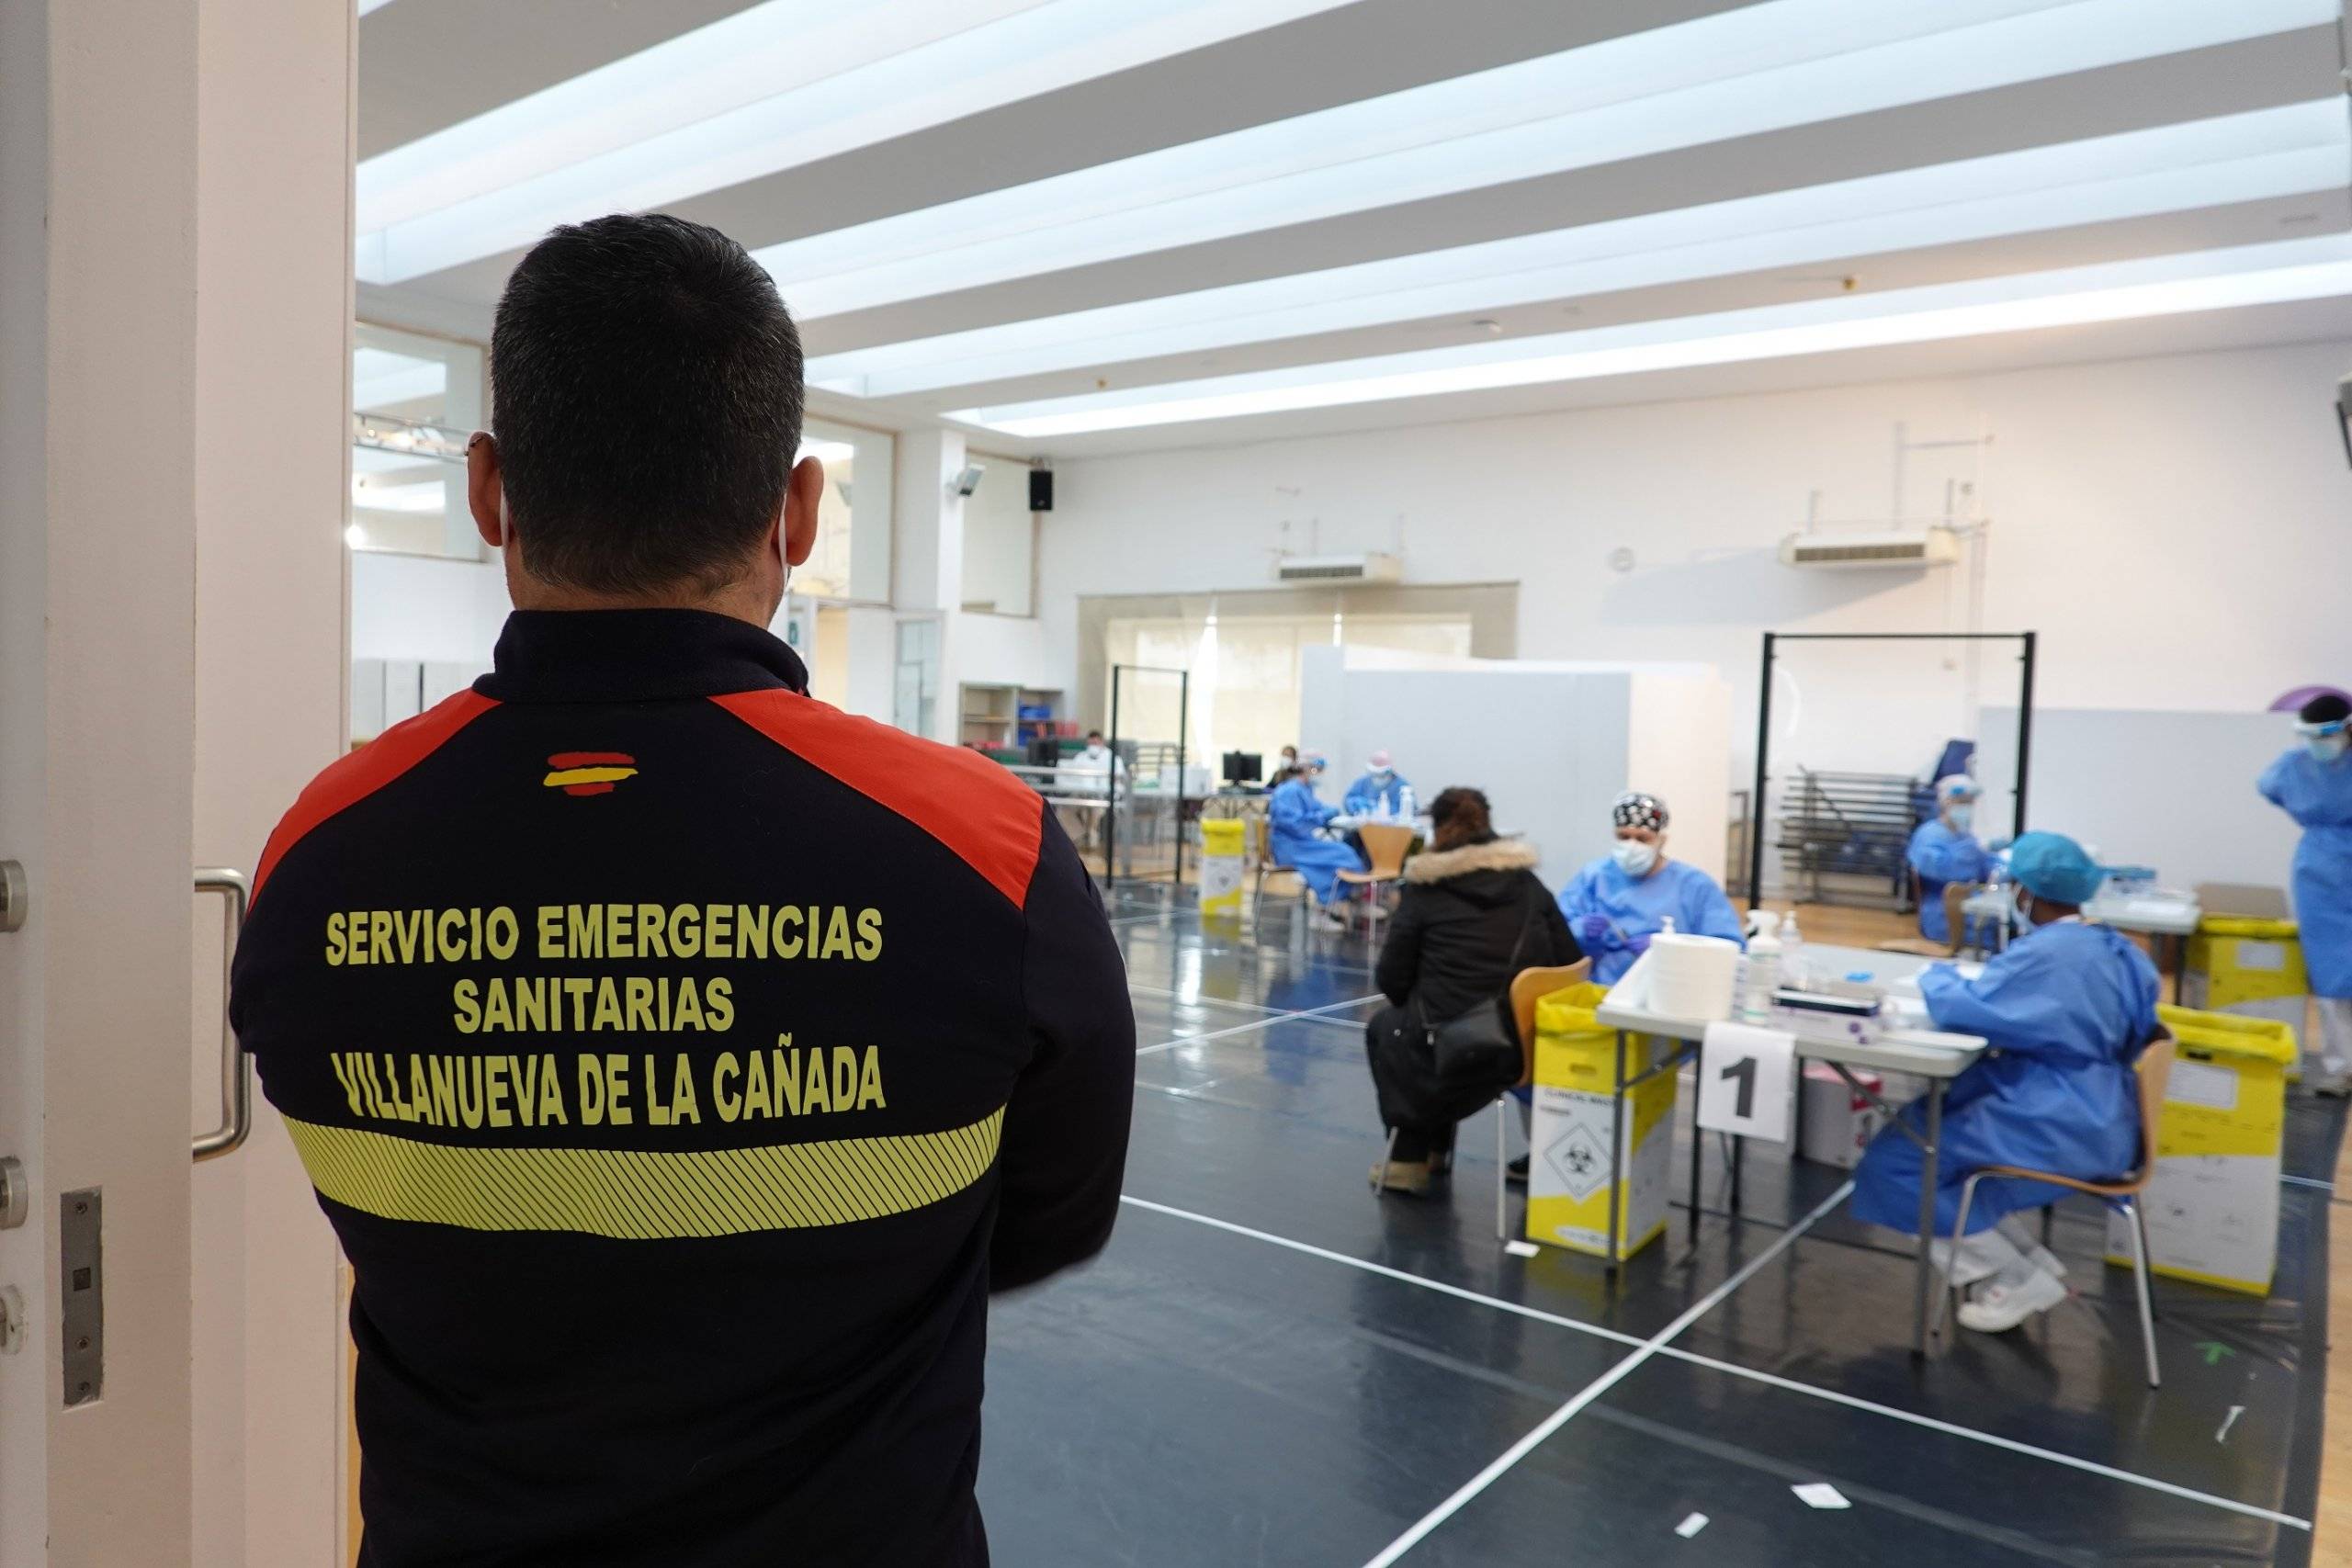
(589, 772)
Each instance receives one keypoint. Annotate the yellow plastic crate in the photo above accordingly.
(2237, 963)
(2213, 1205)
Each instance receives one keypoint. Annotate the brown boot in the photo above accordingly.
(1411, 1177)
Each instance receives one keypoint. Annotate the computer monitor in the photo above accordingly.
(1044, 750)
(1244, 767)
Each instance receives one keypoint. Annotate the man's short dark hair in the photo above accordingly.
(646, 394)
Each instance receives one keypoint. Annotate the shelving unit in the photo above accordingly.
(1007, 716)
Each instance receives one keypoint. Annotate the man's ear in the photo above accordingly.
(802, 493)
(486, 490)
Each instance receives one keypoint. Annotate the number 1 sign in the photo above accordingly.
(1746, 1077)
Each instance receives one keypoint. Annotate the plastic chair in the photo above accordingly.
(1387, 847)
(1527, 987)
(2154, 1068)
(1261, 836)
(1955, 895)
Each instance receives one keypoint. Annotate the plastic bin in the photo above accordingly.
(2254, 967)
(1574, 1173)
(2213, 1205)
(1221, 853)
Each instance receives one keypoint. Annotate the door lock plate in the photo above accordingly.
(82, 1279)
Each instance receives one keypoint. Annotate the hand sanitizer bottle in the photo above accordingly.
(1760, 972)
(1793, 968)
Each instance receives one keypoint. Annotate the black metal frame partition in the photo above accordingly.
(1183, 754)
(1764, 726)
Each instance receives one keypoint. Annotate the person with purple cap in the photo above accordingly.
(2312, 783)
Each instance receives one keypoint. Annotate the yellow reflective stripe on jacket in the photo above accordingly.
(642, 1194)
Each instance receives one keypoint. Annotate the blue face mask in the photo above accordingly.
(2327, 748)
(1962, 813)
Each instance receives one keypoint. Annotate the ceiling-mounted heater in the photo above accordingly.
(1911, 548)
(1371, 567)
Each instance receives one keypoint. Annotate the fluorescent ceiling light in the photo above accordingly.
(2162, 286)
(1740, 72)
(775, 87)
(826, 451)
(2293, 150)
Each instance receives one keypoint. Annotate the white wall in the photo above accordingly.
(422, 609)
(2166, 789)
(1000, 534)
(2179, 529)
(1551, 745)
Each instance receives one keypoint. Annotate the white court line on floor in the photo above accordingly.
(2307, 1181)
(1312, 1014)
(1196, 998)
(1584, 1396)
(1788, 1385)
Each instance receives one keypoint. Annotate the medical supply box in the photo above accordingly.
(2213, 1206)
(1835, 1121)
(1222, 853)
(2252, 967)
(1577, 1166)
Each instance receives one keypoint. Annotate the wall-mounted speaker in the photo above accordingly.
(1041, 489)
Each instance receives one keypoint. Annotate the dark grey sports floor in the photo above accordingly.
(1268, 1366)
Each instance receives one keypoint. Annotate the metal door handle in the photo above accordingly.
(236, 1070)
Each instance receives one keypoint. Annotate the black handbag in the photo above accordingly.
(1479, 1052)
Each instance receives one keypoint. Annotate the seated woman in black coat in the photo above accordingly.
(1473, 914)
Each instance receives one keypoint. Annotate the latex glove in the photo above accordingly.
(1639, 945)
(1595, 934)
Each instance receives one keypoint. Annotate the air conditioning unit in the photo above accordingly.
(1371, 567)
(1883, 548)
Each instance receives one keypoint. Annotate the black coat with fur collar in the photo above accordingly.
(1463, 911)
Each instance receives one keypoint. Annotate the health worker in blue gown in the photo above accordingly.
(1381, 794)
(2312, 783)
(1618, 902)
(1295, 820)
(1946, 850)
(2066, 1012)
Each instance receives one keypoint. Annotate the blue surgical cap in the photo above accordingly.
(2054, 866)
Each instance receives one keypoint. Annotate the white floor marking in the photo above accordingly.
(1195, 999)
(1600, 1385)
(2308, 1181)
(1309, 1013)
(1382, 1268)
(2232, 1420)
(1820, 1495)
(1692, 1526)
(1788, 1385)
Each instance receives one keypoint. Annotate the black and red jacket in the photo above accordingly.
(681, 1062)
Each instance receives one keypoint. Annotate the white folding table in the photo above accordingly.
(1939, 1058)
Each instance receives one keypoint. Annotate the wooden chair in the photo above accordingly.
(1262, 834)
(1527, 987)
(1955, 895)
(2154, 1069)
(1387, 847)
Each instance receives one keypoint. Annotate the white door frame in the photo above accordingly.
(170, 232)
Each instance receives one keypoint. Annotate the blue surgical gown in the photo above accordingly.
(1369, 797)
(2066, 1010)
(1675, 891)
(1941, 854)
(2319, 796)
(1292, 817)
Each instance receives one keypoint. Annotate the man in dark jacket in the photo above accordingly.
(1473, 915)
(680, 1061)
